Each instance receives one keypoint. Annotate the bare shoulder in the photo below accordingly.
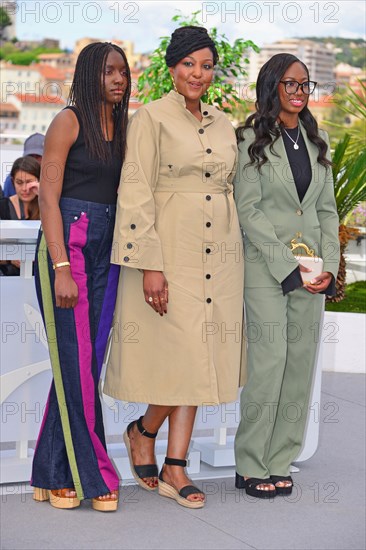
(62, 133)
(64, 128)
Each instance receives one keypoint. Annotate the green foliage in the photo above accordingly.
(351, 105)
(349, 158)
(351, 51)
(5, 20)
(349, 173)
(10, 53)
(156, 81)
(355, 300)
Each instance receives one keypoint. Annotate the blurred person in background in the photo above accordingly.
(23, 205)
(33, 147)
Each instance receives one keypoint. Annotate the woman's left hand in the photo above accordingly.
(319, 283)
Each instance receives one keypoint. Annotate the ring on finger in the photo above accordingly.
(150, 299)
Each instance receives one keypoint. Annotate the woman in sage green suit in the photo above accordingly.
(283, 191)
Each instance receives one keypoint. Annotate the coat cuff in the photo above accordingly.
(331, 289)
(292, 281)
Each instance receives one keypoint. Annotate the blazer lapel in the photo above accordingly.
(317, 171)
(281, 167)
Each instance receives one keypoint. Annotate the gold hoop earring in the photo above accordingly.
(174, 85)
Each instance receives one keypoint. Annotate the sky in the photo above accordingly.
(143, 22)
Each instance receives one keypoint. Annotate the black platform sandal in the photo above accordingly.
(145, 470)
(250, 485)
(282, 490)
(167, 490)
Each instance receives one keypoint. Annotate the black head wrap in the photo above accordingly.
(186, 40)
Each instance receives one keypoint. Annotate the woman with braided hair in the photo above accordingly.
(178, 239)
(76, 285)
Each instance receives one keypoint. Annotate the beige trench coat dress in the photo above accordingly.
(176, 214)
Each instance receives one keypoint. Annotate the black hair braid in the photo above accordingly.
(268, 107)
(86, 94)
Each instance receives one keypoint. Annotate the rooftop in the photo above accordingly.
(8, 107)
(35, 98)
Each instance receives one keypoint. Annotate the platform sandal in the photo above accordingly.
(145, 470)
(167, 490)
(57, 498)
(250, 485)
(109, 504)
(282, 490)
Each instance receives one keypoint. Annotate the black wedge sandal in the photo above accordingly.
(282, 490)
(250, 485)
(167, 490)
(145, 470)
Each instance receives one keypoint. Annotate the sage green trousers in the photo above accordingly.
(282, 333)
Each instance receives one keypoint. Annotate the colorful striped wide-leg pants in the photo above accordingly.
(71, 448)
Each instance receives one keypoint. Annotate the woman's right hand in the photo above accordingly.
(156, 291)
(66, 290)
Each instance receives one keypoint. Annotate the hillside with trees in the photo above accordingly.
(348, 50)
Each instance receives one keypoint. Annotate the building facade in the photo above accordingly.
(36, 113)
(319, 59)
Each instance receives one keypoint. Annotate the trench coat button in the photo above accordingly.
(299, 212)
(208, 300)
(208, 224)
(207, 175)
(133, 226)
(208, 151)
(208, 250)
(201, 131)
(208, 276)
(208, 197)
(126, 259)
(205, 113)
(129, 245)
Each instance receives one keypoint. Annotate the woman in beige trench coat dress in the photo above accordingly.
(178, 322)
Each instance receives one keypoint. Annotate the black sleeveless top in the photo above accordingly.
(87, 178)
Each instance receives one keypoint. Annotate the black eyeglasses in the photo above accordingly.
(291, 86)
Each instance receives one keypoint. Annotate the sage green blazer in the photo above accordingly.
(271, 214)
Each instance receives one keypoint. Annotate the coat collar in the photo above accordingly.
(204, 108)
(281, 166)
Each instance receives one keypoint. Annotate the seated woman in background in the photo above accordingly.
(23, 205)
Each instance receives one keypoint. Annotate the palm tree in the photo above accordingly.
(349, 174)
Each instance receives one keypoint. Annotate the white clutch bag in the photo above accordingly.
(307, 259)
